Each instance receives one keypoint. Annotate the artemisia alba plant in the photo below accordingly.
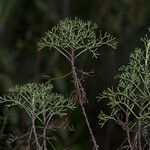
(130, 101)
(72, 38)
(41, 104)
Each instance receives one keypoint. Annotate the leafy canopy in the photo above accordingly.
(131, 98)
(75, 34)
(38, 97)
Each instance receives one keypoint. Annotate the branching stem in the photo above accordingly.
(34, 129)
(30, 136)
(78, 88)
(44, 132)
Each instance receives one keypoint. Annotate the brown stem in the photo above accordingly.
(139, 136)
(80, 90)
(34, 129)
(129, 140)
(128, 128)
(29, 139)
(44, 133)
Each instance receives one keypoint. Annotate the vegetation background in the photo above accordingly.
(23, 22)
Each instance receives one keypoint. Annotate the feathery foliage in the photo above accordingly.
(39, 97)
(130, 103)
(78, 35)
(41, 104)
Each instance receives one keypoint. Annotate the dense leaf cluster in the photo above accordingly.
(75, 34)
(130, 103)
(38, 97)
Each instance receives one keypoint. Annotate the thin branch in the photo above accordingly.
(62, 53)
(80, 98)
(29, 139)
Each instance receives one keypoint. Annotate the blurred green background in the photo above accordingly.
(23, 22)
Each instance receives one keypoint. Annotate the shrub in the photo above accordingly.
(129, 102)
(72, 38)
